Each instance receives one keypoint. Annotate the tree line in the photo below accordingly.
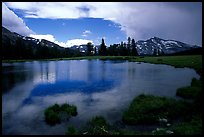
(121, 49)
(20, 49)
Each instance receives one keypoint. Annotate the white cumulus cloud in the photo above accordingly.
(139, 20)
(69, 43)
(48, 37)
(86, 33)
(72, 42)
(14, 23)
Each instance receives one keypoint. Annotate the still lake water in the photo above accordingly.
(96, 87)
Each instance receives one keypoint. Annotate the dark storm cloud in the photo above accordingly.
(190, 27)
(178, 21)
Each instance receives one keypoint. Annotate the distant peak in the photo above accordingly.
(155, 37)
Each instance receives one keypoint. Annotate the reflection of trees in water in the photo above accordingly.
(47, 72)
(90, 70)
(8, 81)
(131, 70)
(43, 71)
(89, 101)
(103, 70)
(12, 75)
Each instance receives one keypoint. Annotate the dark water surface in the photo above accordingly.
(96, 87)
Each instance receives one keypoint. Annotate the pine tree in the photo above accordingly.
(125, 49)
(133, 49)
(89, 48)
(121, 49)
(102, 50)
(95, 52)
(129, 45)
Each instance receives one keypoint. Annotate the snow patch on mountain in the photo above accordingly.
(157, 45)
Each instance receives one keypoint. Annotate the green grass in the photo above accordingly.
(97, 126)
(71, 131)
(194, 127)
(100, 57)
(190, 92)
(52, 117)
(69, 109)
(52, 113)
(196, 83)
(148, 109)
(74, 58)
(190, 61)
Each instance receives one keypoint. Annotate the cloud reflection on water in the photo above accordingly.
(130, 79)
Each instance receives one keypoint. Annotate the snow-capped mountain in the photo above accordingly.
(13, 36)
(152, 46)
(157, 46)
(81, 48)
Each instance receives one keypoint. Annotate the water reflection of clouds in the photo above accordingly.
(84, 70)
(53, 71)
(130, 80)
(88, 105)
(78, 70)
(104, 103)
(44, 72)
(13, 99)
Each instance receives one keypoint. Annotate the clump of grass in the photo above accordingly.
(194, 127)
(148, 109)
(71, 131)
(196, 83)
(159, 60)
(69, 109)
(98, 121)
(190, 92)
(97, 126)
(133, 132)
(52, 113)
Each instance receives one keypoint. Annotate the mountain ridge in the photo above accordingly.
(151, 46)
(156, 46)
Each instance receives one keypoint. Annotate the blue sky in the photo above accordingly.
(64, 29)
(68, 23)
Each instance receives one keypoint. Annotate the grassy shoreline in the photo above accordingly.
(72, 58)
(190, 61)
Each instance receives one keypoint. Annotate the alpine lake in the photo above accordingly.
(96, 87)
